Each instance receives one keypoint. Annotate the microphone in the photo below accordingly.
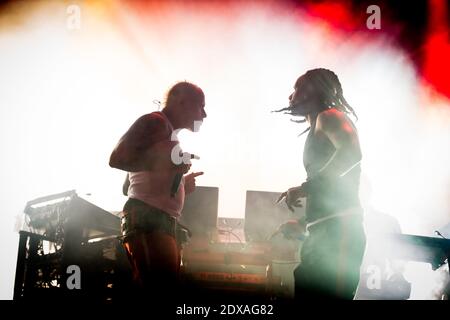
(177, 179)
(175, 184)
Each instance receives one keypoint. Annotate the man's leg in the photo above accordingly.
(352, 243)
(155, 259)
(313, 277)
(330, 261)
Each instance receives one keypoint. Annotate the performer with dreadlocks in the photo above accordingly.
(332, 253)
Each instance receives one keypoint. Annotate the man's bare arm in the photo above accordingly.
(132, 152)
(341, 132)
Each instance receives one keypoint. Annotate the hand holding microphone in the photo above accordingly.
(182, 169)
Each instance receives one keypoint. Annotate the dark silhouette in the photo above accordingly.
(333, 250)
(150, 153)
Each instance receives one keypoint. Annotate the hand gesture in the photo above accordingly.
(189, 181)
(292, 197)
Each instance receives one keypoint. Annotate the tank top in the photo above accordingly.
(331, 196)
(154, 187)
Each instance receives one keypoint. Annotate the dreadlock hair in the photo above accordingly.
(325, 84)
